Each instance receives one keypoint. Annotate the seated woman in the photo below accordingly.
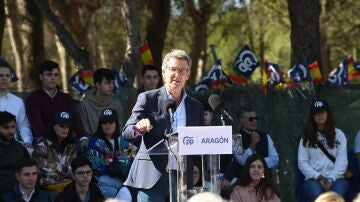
(110, 155)
(254, 184)
(320, 136)
(54, 153)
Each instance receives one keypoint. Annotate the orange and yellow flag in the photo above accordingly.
(145, 54)
(315, 73)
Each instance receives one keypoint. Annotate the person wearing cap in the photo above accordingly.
(321, 173)
(55, 151)
(99, 99)
(14, 104)
(110, 155)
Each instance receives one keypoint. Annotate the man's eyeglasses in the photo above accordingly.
(253, 118)
(83, 173)
(181, 71)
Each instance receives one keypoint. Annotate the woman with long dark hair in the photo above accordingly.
(320, 137)
(110, 155)
(54, 153)
(255, 184)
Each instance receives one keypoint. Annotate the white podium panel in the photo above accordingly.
(199, 140)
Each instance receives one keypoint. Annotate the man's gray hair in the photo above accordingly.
(176, 53)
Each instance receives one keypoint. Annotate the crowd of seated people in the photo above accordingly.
(68, 149)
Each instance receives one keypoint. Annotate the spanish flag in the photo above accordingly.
(145, 54)
(315, 73)
(87, 76)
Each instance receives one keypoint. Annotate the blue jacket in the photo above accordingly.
(147, 169)
(16, 196)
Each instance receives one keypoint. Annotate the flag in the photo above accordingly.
(272, 75)
(315, 73)
(145, 54)
(120, 79)
(339, 76)
(215, 78)
(237, 79)
(357, 65)
(14, 77)
(353, 70)
(245, 62)
(201, 87)
(78, 83)
(87, 76)
(299, 72)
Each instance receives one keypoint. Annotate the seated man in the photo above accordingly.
(95, 101)
(42, 104)
(25, 190)
(14, 104)
(82, 189)
(254, 141)
(10, 151)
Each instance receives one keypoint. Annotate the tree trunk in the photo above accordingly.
(305, 35)
(63, 63)
(80, 55)
(200, 18)
(2, 23)
(157, 27)
(132, 62)
(324, 47)
(14, 35)
(35, 40)
(76, 16)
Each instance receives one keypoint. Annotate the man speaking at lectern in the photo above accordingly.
(151, 121)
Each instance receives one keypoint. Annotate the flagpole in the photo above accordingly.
(214, 54)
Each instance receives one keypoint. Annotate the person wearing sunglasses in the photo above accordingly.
(111, 156)
(54, 153)
(254, 141)
(82, 188)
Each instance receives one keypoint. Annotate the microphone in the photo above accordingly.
(216, 103)
(170, 107)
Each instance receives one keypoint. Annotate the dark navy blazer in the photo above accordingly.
(147, 169)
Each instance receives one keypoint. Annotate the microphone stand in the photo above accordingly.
(214, 167)
(167, 141)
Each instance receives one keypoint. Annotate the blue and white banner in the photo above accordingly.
(299, 72)
(205, 140)
(245, 62)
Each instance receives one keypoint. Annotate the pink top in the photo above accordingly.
(248, 194)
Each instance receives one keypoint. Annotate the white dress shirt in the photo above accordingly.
(179, 120)
(15, 105)
(271, 160)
